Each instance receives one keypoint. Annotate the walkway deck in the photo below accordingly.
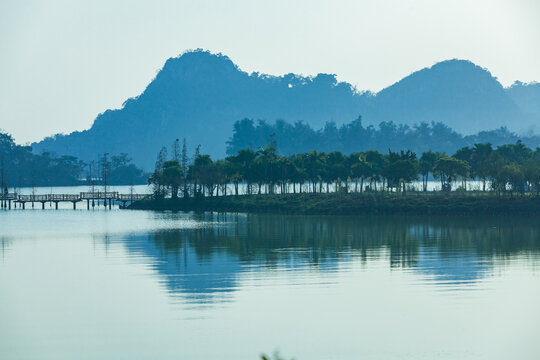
(92, 199)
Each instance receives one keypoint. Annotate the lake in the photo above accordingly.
(120, 284)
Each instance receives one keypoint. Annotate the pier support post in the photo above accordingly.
(74, 205)
(110, 204)
(56, 205)
(88, 204)
(9, 204)
(23, 204)
(43, 205)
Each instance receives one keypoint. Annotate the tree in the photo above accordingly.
(123, 170)
(376, 164)
(234, 172)
(156, 179)
(105, 166)
(298, 172)
(336, 170)
(481, 162)
(244, 162)
(426, 164)
(359, 169)
(185, 168)
(514, 153)
(176, 150)
(3, 184)
(203, 172)
(162, 157)
(464, 154)
(221, 176)
(172, 176)
(402, 168)
(531, 171)
(268, 161)
(448, 169)
(313, 163)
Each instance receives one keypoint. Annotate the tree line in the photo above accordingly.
(354, 136)
(19, 167)
(512, 168)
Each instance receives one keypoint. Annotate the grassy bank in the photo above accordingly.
(350, 204)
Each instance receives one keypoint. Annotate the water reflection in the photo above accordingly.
(5, 243)
(202, 265)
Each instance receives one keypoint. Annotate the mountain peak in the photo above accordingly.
(456, 92)
(450, 74)
(457, 64)
(199, 61)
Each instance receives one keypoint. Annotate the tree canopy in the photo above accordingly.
(352, 137)
(20, 167)
(508, 168)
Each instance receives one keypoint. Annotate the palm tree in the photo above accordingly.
(202, 171)
(314, 163)
(481, 162)
(375, 165)
(245, 159)
(448, 169)
(335, 170)
(172, 176)
(426, 164)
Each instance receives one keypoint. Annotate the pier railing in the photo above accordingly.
(107, 197)
(33, 198)
(8, 196)
(131, 197)
(64, 197)
(98, 195)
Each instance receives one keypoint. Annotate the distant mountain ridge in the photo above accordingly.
(199, 96)
(457, 93)
(527, 98)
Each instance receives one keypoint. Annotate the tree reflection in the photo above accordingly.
(203, 264)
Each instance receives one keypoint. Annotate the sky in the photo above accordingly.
(64, 62)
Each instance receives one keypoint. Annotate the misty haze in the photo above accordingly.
(270, 180)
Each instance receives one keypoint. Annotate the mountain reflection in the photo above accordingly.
(203, 264)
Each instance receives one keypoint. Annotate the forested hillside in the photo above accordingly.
(20, 167)
(199, 96)
(348, 138)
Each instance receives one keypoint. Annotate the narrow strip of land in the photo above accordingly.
(353, 204)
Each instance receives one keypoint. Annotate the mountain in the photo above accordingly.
(457, 93)
(527, 98)
(199, 96)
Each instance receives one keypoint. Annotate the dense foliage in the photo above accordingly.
(20, 167)
(300, 137)
(508, 168)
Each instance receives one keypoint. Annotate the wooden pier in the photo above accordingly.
(93, 199)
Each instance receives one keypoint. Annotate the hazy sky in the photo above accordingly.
(64, 62)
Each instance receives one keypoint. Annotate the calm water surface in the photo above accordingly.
(157, 285)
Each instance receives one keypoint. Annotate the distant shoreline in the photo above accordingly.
(354, 204)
